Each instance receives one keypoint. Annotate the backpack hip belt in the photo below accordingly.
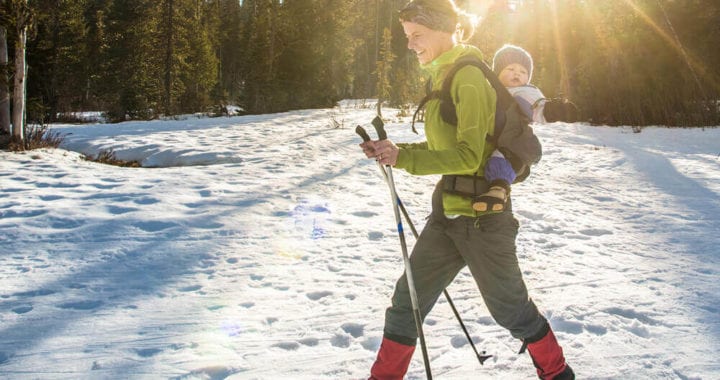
(465, 185)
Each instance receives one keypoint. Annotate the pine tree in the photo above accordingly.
(190, 64)
(259, 42)
(132, 85)
(384, 65)
(228, 35)
(56, 56)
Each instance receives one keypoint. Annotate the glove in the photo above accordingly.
(495, 199)
(499, 168)
(500, 173)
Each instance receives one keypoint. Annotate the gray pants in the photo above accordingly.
(487, 246)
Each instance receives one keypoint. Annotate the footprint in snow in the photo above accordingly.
(57, 185)
(318, 295)
(371, 344)
(487, 321)
(596, 329)
(595, 232)
(570, 327)
(340, 341)
(81, 305)
(119, 210)
(334, 269)
(62, 223)
(103, 186)
(47, 198)
(191, 288)
(310, 342)
(375, 235)
(154, 226)
(212, 373)
(22, 309)
(458, 341)
(288, 346)
(354, 329)
(34, 293)
(146, 201)
(22, 214)
(147, 352)
(632, 314)
(364, 214)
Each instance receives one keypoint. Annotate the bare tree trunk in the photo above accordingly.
(18, 114)
(4, 90)
(170, 20)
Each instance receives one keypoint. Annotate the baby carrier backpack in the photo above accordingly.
(512, 135)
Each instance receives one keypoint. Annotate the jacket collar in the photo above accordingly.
(448, 58)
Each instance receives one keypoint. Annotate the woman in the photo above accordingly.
(456, 235)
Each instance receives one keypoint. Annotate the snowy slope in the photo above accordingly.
(264, 247)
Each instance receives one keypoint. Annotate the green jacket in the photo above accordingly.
(449, 149)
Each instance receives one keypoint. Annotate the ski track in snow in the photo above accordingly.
(264, 247)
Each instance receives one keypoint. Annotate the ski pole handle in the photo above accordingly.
(379, 128)
(361, 131)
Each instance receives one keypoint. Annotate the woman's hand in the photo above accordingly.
(387, 152)
(384, 151)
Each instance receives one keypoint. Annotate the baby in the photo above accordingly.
(514, 67)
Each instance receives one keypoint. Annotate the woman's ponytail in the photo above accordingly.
(466, 23)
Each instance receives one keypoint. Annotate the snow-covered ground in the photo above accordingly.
(264, 247)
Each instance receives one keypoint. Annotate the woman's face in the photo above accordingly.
(427, 43)
(514, 75)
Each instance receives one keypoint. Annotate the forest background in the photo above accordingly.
(623, 62)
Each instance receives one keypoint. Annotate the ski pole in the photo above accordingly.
(481, 357)
(378, 124)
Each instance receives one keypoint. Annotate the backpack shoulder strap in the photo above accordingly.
(504, 98)
(447, 107)
(429, 95)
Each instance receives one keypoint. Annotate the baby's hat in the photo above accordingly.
(509, 54)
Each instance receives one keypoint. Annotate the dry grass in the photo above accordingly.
(36, 137)
(108, 157)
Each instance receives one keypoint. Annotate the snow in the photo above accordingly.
(264, 247)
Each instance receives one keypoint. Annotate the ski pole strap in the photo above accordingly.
(465, 185)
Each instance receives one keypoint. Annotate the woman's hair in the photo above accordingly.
(442, 15)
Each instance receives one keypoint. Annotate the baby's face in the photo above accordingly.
(514, 75)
